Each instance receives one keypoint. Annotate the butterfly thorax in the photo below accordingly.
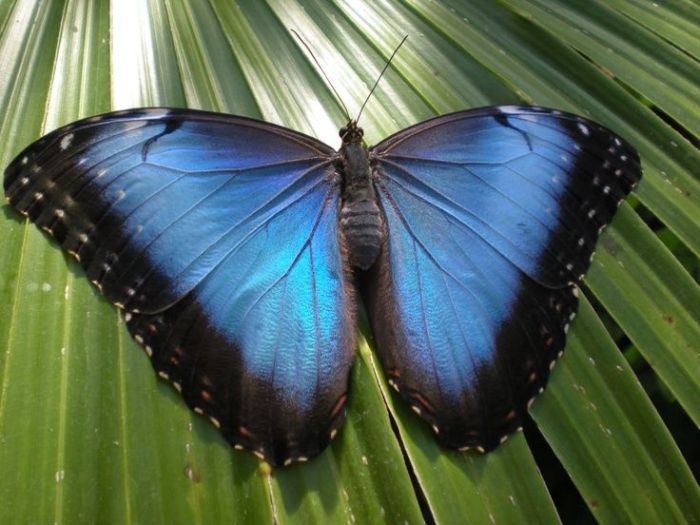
(361, 219)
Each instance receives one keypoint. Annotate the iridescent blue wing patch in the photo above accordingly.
(217, 235)
(492, 217)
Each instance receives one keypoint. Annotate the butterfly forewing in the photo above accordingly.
(218, 236)
(492, 216)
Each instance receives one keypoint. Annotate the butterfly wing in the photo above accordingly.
(218, 236)
(492, 217)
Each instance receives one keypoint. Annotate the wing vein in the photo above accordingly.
(424, 321)
(260, 209)
(449, 214)
(402, 217)
(246, 170)
(410, 175)
(293, 263)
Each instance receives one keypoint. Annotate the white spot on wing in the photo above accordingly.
(583, 128)
(510, 110)
(66, 141)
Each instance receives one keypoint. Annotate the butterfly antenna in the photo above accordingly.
(337, 96)
(380, 77)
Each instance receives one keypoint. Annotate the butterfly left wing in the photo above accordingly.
(492, 217)
(218, 237)
(264, 344)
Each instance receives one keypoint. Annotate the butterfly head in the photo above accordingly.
(351, 133)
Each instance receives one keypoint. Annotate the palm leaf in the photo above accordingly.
(87, 434)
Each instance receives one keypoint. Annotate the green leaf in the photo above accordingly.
(88, 434)
(665, 75)
(622, 447)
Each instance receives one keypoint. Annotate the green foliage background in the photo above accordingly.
(88, 435)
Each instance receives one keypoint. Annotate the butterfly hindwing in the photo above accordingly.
(492, 217)
(218, 237)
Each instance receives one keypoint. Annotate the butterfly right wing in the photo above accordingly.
(218, 236)
(492, 215)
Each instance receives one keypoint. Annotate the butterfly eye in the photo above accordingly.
(343, 131)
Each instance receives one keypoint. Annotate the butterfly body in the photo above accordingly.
(361, 220)
(231, 244)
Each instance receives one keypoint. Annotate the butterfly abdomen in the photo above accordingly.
(362, 225)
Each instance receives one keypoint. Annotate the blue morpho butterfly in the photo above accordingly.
(235, 247)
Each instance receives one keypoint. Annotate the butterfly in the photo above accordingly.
(240, 250)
